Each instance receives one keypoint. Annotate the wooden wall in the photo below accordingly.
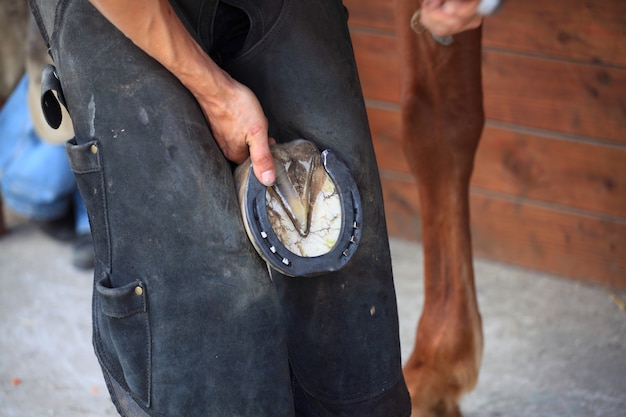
(13, 23)
(549, 188)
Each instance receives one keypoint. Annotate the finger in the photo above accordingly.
(452, 17)
(460, 9)
(261, 157)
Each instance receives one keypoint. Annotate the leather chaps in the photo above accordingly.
(186, 319)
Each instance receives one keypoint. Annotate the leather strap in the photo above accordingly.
(51, 102)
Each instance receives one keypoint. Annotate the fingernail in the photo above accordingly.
(267, 178)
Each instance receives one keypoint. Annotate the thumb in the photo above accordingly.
(261, 157)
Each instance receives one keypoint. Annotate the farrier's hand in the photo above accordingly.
(239, 125)
(232, 110)
(448, 17)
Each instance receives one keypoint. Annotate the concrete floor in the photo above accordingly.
(553, 347)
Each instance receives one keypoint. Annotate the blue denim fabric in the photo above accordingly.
(80, 213)
(35, 176)
(186, 319)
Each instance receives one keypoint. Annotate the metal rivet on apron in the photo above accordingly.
(94, 149)
(138, 290)
(286, 261)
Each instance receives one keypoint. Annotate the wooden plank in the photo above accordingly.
(385, 127)
(587, 31)
(576, 99)
(536, 237)
(559, 242)
(376, 14)
(401, 207)
(559, 96)
(581, 175)
(378, 64)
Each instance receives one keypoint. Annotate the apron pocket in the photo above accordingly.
(124, 312)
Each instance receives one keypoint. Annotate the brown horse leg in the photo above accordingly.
(442, 121)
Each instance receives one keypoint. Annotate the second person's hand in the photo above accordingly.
(449, 17)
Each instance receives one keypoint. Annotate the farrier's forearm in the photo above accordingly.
(237, 121)
(155, 28)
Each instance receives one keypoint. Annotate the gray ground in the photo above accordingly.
(553, 347)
